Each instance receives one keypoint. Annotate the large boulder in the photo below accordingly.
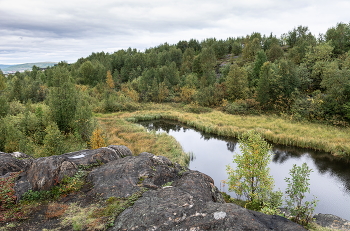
(176, 208)
(14, 162)
(177, 198)
(123, 177)
(45, 172)
(100, 155)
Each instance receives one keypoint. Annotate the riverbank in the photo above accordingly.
(121, 128)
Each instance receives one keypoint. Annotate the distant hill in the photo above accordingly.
(3, 66)
(24, 67)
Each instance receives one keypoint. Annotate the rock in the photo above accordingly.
(176, 209)
(177, 198)
(100, 155)
(44, 173)
(190, 202)
(200, 185)
(332, 221)
(9, 162)
(123, 177)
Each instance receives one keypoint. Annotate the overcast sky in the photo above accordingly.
(44, 30)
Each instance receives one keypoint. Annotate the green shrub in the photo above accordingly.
(251, 177)
(298, 185)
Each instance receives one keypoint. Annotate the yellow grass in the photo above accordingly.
(122, 130)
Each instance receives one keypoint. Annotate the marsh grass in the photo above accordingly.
(273, 128)
(124, 132)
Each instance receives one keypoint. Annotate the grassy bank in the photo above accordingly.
(121, 130)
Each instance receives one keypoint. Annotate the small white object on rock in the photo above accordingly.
(219, 215)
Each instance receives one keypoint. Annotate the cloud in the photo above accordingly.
(39, 30)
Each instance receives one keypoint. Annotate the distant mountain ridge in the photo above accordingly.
(24, 66)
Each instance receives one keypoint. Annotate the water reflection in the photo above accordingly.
(330, 181)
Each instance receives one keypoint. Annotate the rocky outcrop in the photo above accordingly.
(177, 198)
(172, 208)
(332, 221)
(123, 177)
(45, 172)
(14, 162)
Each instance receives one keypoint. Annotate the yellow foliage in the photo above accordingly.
(97, 139)
(109, 80)
(186, 94)
(129, 92)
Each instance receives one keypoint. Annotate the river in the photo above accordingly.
(329, 181)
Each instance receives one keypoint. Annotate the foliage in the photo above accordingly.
(53, 141)
(296, 75)
(251, 177)
(98, 217)
(248, 106)
(267, 85)
(298, 185)
(67, 185)
(109, 80)
(195, 108)
(98, 139)
(237, 83)
(63, 99)
(7, 192)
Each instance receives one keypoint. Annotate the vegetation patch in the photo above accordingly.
(273, 128)
(98, 216)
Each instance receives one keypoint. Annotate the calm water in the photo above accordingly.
(329, 181)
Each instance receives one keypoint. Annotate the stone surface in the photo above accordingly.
(332, 221)
(10, 162)
(173, 208)
(123, 177)
(100, 155)
(45, 172)
(176, 198)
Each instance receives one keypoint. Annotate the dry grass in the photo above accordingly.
(138, 140)
(55, 210)
(276, 129)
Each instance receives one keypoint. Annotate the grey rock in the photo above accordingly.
(177, 198)
(332, 221)
(176, 209)
(100, 155)
(123, 177)
(10, 163)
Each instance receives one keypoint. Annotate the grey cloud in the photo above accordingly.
(70, 29)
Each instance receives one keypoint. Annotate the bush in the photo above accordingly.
(298, 185)
(119, 102)
(242, 107)
(195, 108)
(7, 192)
(251, 177)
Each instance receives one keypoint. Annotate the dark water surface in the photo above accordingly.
(329, 181)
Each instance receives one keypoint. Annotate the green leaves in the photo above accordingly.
(251, 177)
(298, 185)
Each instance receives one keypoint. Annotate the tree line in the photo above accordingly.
(298, 75)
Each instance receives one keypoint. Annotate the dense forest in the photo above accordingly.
(298, 75)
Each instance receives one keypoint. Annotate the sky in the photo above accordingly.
(66, 30)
